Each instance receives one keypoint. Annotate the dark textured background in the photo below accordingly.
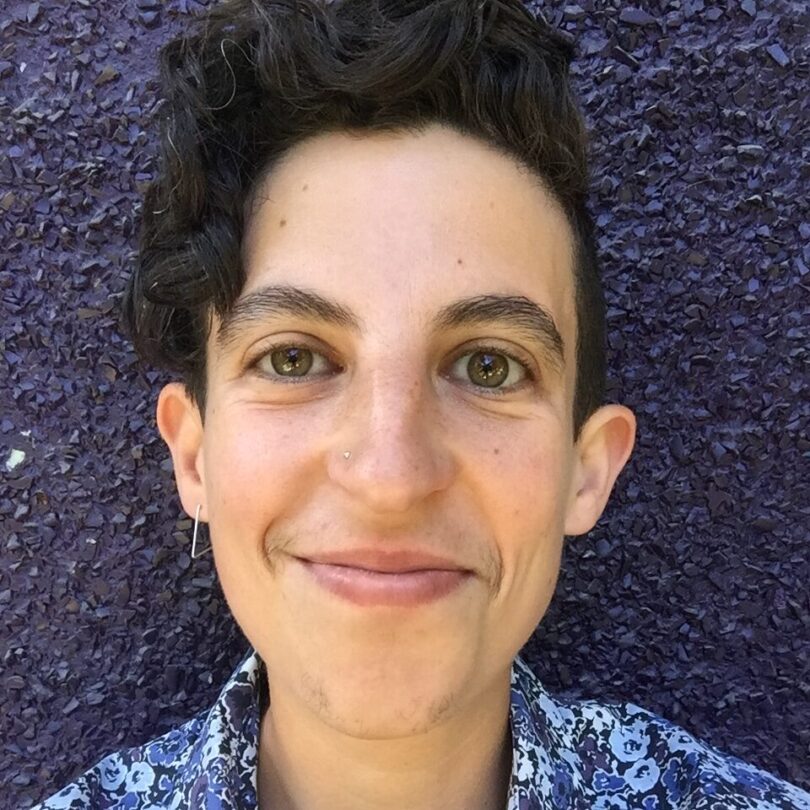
(689, 598)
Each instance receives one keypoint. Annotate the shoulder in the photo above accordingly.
(142, 776)
(612, 756)
(648, 754)
(210, 760)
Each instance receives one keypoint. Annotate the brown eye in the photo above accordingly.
(294, 361)
(487, 369)
(494, 369)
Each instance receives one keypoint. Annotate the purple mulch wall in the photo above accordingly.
(690, 596)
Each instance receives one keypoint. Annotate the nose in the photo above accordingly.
(398, 450)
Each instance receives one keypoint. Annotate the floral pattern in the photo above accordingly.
(580, 755)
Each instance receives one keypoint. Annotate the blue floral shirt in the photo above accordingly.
(566, 754)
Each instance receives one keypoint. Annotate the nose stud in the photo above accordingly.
(347, 454)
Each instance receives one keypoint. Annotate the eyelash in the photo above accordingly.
(530, 376)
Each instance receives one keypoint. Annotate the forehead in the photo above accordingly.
(437, 184)
(396, 223)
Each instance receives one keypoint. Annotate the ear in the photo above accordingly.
(180, 425)
(604, 446)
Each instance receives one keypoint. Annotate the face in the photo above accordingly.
(391, 589)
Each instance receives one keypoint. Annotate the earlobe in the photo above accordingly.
(179, 423)
(603, 448)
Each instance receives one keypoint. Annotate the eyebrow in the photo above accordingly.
(519, 313)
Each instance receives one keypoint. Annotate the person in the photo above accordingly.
(369, 257)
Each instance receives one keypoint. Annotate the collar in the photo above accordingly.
(223, 761)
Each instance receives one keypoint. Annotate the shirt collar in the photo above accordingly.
(223, 762)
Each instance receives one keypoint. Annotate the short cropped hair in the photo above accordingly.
(254, 78)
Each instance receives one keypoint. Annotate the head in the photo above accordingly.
(370, 234)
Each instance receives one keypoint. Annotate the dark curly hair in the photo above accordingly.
(257, 77)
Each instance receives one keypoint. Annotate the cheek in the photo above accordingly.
(527, 483)
(253, 466)
(522, 490)
(533, 546)
(538, 512)
(523, 466)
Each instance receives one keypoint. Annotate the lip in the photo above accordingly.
(385, 578)
(389, 561)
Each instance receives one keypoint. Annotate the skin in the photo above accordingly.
(393, 707)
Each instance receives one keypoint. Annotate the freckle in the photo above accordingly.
(282, 222)
(305, 187)
(496, 450)
(458, 261)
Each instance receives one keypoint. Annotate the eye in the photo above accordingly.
(494, 369)
(488, 367)
(290, 361)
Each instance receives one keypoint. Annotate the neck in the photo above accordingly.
(463, 764)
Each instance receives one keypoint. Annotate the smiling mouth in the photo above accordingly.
(409, 584)
(385, 560)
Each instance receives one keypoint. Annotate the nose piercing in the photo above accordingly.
(347, 454)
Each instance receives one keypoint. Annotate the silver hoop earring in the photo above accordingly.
(194, 539)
